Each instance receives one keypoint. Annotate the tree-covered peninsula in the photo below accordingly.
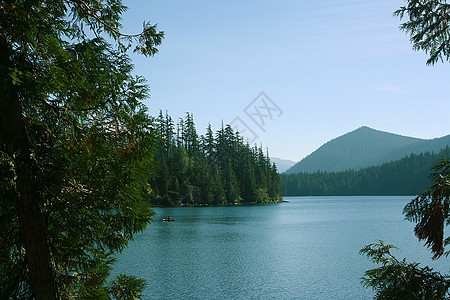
(213, 169)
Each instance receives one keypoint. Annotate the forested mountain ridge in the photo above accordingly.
(407, 176)
(365, 147)
(214, 169)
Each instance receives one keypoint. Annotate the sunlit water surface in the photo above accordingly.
(306, 248)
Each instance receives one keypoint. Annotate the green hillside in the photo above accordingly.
(365, 147)
(407, 176)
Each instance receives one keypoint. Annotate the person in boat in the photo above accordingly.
(169, 218)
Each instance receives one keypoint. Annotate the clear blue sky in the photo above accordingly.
(328, 67)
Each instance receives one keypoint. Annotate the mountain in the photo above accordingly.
(407, 176)
(365, 147)
(282, 164)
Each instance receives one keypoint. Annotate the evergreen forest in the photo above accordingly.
(365, 147)
(407, 176)
(213, 169)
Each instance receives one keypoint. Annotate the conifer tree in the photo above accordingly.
(209, 143)
(74, 141)
(212, 169)
(429, 28)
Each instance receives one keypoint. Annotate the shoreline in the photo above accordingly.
(223, 205)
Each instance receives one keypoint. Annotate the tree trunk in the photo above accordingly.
(14, 141)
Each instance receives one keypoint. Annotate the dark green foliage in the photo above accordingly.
(407, 176)
(430, 210)
(365, 147)
(428, 25)
(76, 146)
(401, 280)
(429, 28)
(397, 279)
(126, 287)
(210, 170)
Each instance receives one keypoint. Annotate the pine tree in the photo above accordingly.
(209, 145)
(74, 141)
(429, 30)
(212, 169)
(232, 191)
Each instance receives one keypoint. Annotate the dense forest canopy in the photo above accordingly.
(76, 147)
(365, 147)
(407, 176)
(212, 169)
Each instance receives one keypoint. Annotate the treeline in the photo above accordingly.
(407, 176)
(214, 169)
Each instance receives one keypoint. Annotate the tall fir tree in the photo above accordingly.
(212, 169)
(75, 142)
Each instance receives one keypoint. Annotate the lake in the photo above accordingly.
(306, 248)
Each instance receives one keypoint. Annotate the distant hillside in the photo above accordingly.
(365, 147)
(282, 164)
(407, 176)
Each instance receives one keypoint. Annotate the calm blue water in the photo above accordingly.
(306, 248)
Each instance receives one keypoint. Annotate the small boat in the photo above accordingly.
(168, 220)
